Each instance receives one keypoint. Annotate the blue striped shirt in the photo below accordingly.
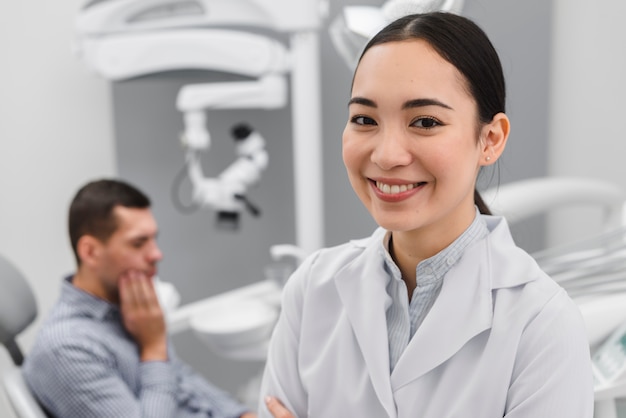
(84, 364)
(403, 318)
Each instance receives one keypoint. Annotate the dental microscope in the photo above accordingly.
(122, 39)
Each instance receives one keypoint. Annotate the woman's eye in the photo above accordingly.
(426, 122)
(362, 120)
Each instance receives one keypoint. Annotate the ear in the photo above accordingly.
(493, 138)
(89, 249)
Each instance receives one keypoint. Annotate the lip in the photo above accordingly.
(396, 197)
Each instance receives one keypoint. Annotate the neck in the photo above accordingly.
(87, 281)
(409, 248)
(405, 263)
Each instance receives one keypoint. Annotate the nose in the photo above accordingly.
(391, 150)
(155, 253)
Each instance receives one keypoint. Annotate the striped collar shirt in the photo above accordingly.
(404, 318)
(84, 364)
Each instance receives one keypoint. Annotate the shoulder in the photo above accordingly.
(64, 335)
(315, 278)
(335, 258)
(521, 290)
(323, 264)
(507, 264)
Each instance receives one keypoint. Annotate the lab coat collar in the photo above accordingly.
(361, 287)
(463, 309)
(513, 266)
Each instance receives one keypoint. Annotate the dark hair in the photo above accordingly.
(91, 210)
(466, 46)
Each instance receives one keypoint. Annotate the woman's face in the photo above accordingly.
(411, 145)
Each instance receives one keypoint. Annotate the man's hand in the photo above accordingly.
(142, 315)
(276, 408)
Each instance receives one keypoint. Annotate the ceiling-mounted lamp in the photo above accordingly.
(356, 25)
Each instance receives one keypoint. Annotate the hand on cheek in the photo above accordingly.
(142, 315)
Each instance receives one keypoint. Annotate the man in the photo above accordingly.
(103, 351)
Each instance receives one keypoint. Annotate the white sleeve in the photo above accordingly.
(552, 375)
(281, 377)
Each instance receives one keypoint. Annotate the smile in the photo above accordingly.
(396, 188)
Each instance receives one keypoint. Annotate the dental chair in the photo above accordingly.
(18, 309)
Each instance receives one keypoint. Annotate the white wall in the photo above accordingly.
(587, 110)
(55, 134)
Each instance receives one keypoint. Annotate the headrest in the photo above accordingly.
(18, 307)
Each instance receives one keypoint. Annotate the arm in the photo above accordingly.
(276, 408)
(281, 378)
(142, 315)
(144, 320)
(78, 370)
(552, 375)
(79, 378)
(206, 396)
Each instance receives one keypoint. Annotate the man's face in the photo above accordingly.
(132, 246)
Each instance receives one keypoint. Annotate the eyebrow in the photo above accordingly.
(407, 105)
(424, 102)
(362, 101)
(144, 237)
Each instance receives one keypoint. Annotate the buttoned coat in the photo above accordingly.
(501, 340)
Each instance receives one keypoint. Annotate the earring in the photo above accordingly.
(488, 158)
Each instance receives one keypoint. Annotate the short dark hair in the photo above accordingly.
(91, 210)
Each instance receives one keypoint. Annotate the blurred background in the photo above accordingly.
(62, 125)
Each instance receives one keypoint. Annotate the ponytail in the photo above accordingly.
(480, 203)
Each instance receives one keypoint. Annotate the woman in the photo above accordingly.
(437, 314)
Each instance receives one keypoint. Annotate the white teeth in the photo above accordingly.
(395, 189)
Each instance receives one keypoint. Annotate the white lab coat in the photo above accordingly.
(502, 339)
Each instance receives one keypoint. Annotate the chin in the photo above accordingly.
(396, 223)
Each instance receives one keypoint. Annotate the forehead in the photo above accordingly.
(409, 67)
(131, 222)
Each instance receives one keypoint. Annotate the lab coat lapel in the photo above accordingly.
(462, 311)
(361, 287)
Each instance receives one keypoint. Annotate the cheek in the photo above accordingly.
(352, 155)
(351, 152)
(125, 260)
(346, 151)
(441, 160)
(453, 162)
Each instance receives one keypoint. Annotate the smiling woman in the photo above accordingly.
(410, 145)
(437, 314)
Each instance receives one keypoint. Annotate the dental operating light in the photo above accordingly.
(356, 25)
(106, 17)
